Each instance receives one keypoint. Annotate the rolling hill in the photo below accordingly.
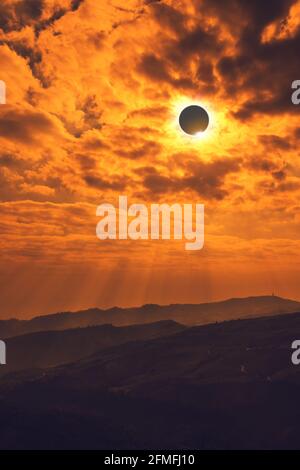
(228, 385)
(52, 348)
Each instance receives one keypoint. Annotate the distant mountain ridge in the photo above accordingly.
(52, 348)
(186, 314)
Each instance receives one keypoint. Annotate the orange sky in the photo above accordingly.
(93, 95)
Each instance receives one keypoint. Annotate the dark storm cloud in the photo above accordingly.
(171, 63)
(24, 126)
(288, 186)
(29, 9)
(14, 16)
(94, 144)
(157, 70)
(154, 68)
(275, 142)
(11, 161)
(150, 112)
(86, 162)
(206, 179)
(17, 15)
(197, 46)
(92, 113)
(258, 13)
(76, 4)
(148, 149)
(277, 169)
(42, 25)
(279, 175)
(256, 67)
(200, 42)
(205, 72)
(154, 182)
(168, 17)
(271, 187)
(296, 133)
(57, 14)
(279, 103)
(258, 164)
(98, 182)
(148, 2)
(34, 59)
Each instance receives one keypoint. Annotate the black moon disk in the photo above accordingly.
(193, 119)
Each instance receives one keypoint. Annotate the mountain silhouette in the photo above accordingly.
(186, 314)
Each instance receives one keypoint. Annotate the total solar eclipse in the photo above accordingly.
(193, 119)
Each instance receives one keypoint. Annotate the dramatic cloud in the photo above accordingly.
(24, 126)
(205, 179)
